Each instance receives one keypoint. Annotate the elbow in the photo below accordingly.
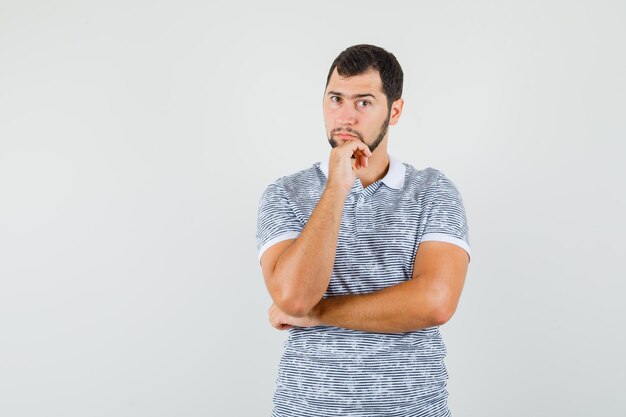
(291, 298)
(442, 312)
(293, 309)
(298, 311)
(287, 299)
(441, 316)
(293, 306)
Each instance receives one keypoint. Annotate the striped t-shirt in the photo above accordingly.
(334, 371)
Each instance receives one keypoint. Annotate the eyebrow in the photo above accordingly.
(337, 93)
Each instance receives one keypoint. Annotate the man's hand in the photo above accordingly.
(341, 172)
(283, 321)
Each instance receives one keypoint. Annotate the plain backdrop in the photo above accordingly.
(136, 139)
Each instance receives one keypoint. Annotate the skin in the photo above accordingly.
(297, 270)
(358, 106)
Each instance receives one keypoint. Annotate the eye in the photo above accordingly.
(332, 98)
(365, 103)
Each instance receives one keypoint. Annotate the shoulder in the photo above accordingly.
(294, 184)
(420, 179)
(430, 183)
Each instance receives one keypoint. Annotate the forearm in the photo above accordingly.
(404, 307)
(306, 266)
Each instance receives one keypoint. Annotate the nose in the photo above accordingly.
(346, 115)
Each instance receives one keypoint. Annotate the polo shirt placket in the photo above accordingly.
(359, 203)
(363, 209)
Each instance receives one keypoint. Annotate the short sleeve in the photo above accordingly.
(276, 219)
(447, 221)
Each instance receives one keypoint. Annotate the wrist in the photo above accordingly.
(337, 190)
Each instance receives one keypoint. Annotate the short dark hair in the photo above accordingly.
(358, 59)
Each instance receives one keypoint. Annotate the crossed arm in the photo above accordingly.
(297, 273)
(428, 299)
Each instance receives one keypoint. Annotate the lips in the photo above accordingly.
(346, 136)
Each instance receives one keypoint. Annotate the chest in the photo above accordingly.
(378, 238)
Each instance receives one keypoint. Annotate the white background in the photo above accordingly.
(137, 137)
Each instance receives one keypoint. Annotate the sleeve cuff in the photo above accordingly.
(279, 238)
(442, 237)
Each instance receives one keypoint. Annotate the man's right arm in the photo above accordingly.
(297, 271)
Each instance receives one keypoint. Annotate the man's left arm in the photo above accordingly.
(428, 299)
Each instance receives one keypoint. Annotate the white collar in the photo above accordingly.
(393, 179)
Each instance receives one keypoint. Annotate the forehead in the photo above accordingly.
(367, 82)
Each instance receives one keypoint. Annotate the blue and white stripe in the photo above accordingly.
(332, 371)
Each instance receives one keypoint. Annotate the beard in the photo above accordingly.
(373, 145)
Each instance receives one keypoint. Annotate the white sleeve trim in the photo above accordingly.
(279, 238)
(442, 237)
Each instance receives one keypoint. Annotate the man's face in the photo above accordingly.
(355, 108)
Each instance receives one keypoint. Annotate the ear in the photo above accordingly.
(396, 111)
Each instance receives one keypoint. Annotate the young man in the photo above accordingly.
(364, 257)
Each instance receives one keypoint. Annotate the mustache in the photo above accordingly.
(346, 130)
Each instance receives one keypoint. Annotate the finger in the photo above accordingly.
(364, 148)
(357, 145)
(359, 153)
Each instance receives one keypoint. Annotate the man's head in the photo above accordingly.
(363, 95)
